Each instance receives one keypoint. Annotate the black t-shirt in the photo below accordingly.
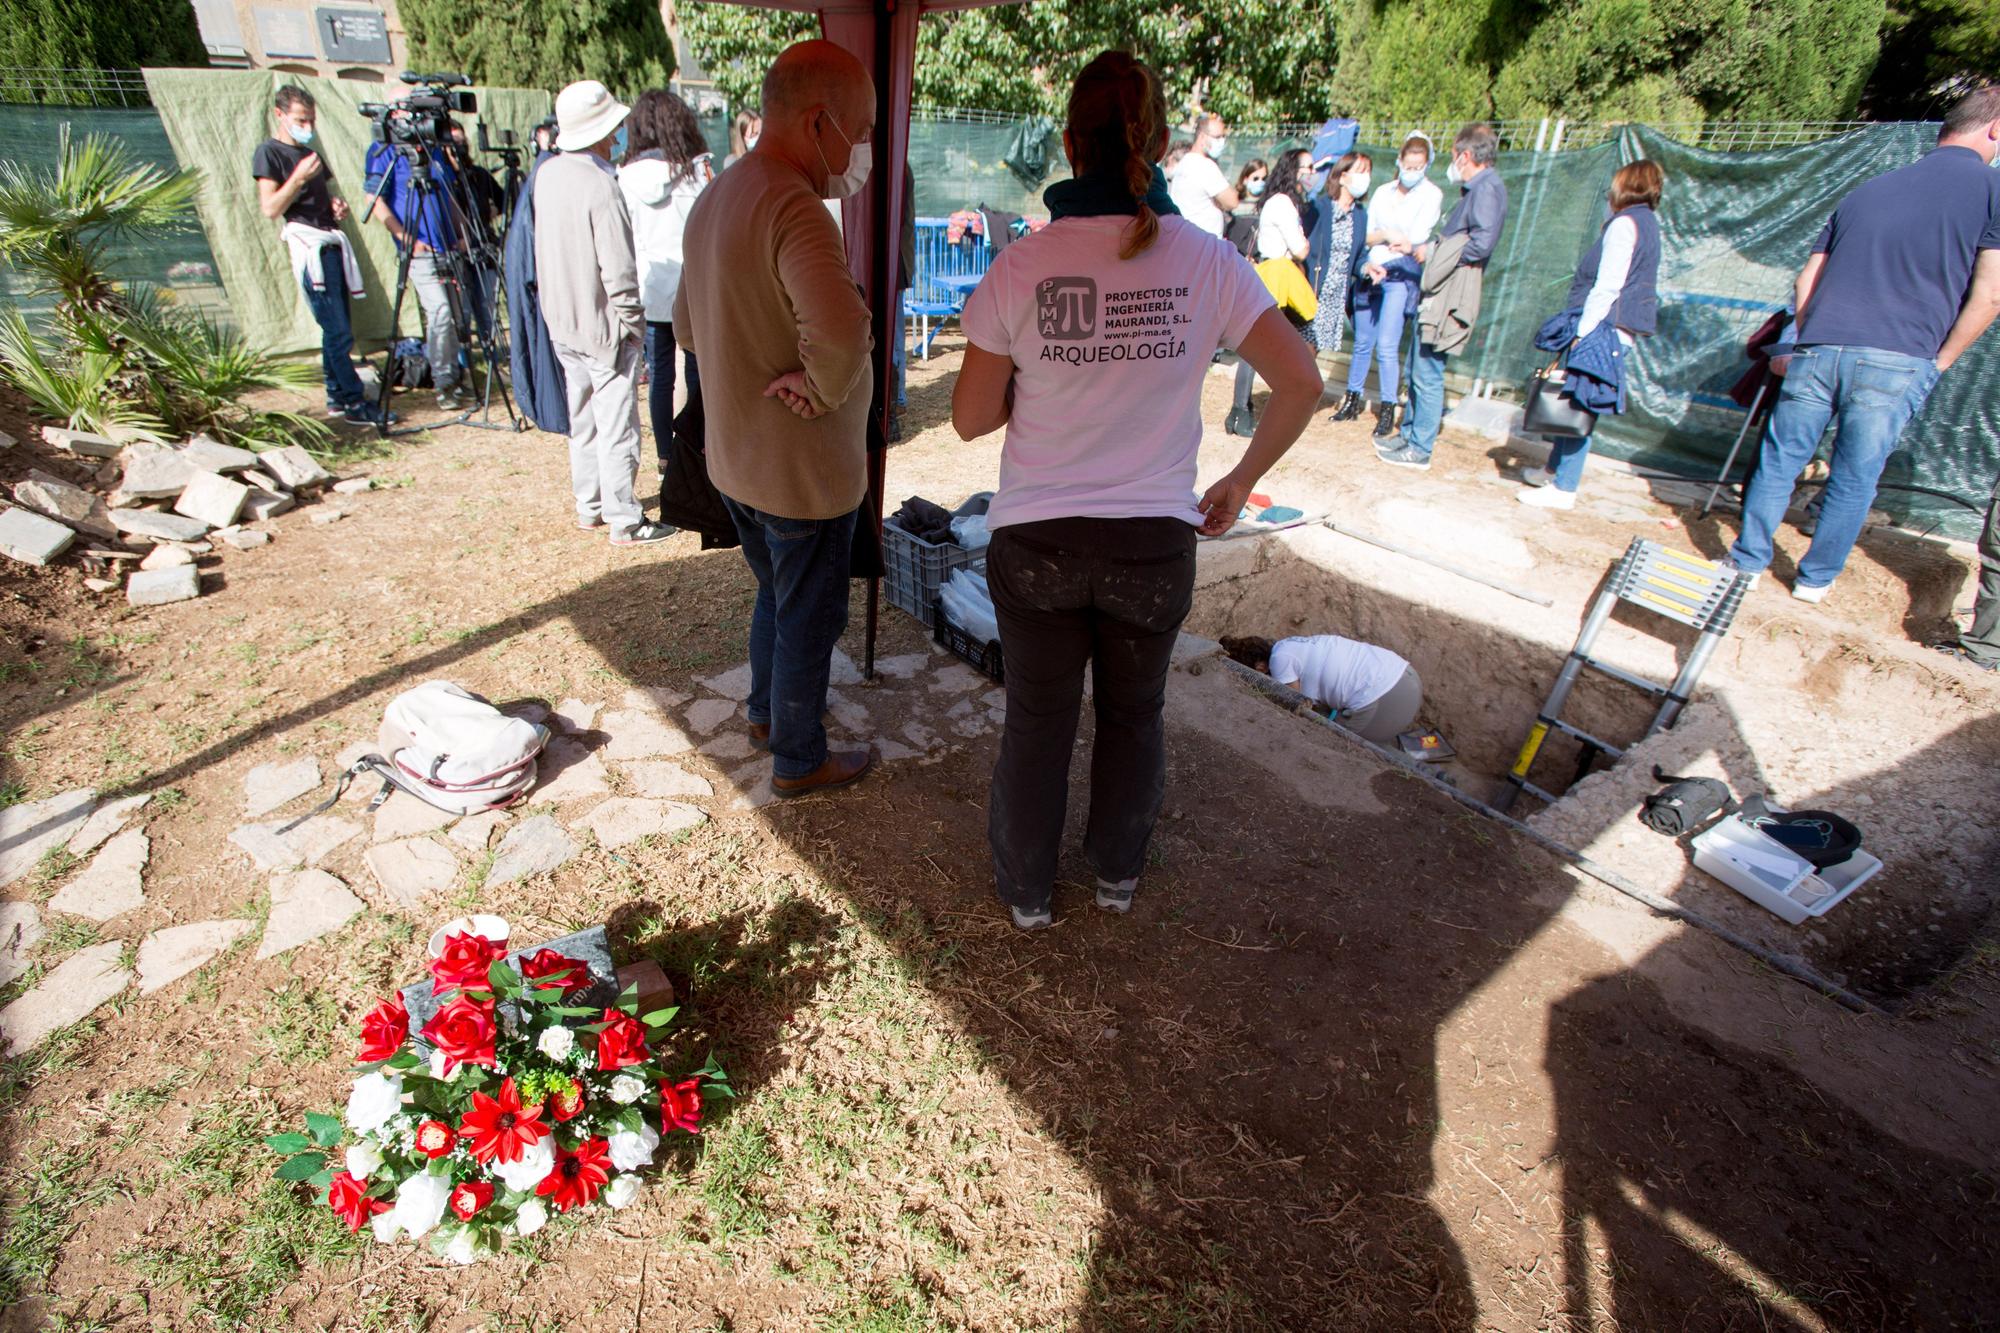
(313, 206)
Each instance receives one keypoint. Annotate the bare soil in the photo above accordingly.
(1358, 1058)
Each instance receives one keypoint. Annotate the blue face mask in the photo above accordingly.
(302, 135)
(1411, 179)
(618, 144)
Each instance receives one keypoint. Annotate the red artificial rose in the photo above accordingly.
(469, 1198)
(549, 969)
(464, 1031)
(464, 964)
(500, 1127)
(348, 1197)
(384, 1030)
(578, 1176)
(680, 1105)
(622, 1042)
(566, 1103)
(435, 1138)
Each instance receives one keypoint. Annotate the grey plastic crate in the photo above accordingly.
(914, 570)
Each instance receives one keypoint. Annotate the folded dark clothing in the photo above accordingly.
(920, 518)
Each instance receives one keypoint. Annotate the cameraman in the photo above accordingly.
(292, 183)
(422, 222)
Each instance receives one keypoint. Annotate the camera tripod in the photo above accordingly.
(470, 275)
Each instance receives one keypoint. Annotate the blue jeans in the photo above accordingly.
(801, 566)
(1869, 395)
(1567, 454)
(1378, 328)
(336, 333)
(660, 348)
(1426, 410)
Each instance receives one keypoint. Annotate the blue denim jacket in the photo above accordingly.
(1595, 367)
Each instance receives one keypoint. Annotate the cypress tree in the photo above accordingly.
(543, 43)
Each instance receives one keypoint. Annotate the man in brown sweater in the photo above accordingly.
(767, 299)
(588, 280)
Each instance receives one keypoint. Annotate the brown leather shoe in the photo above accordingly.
(839, 770)
(760, 735)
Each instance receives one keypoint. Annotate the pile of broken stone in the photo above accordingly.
(157, 507)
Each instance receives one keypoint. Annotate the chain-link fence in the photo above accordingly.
(73, 87)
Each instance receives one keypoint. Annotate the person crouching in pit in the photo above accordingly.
(1370, 691)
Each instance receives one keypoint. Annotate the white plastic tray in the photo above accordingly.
(1775, 877)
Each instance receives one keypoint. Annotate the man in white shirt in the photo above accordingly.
(1371, 691)
(1198, 188)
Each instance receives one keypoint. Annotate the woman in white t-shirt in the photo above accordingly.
(666, 167)
(1280, 235)
(1369, 690)
(1089, 341)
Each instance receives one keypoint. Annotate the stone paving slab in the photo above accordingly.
(753, 786)
(352, 486)
(20, 931)
(161, 587)
(29, 830)
(112, 884)
(294, 468)
(167, 955)
(306, 845)
(705, 715)
(956, 678)
(570, 771)
(156, 526)
(244, 539)
(304, 906)
(643, 735)
(81, 442)
(574, 715)
(215, 456)
(32, 539)
(268, 786)
(155, 472)
(404, 816)
(262, 504)
(623, 820)
(475, 832)
(663, 779)
(212, 498)
(73, 506)
(71, 991)
(729, 745)
(532, 847)
(655, 698)
(412, 870)
(167, 555)
(731, 684)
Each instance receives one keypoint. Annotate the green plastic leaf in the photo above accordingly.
(631, 1120)
(574, 1011)
(325, 1129)
(659, 1018)
(718, 1090)
(404, 1060)
(322, 1179)
(288, 1143)
(505, 980)
(303, 1167)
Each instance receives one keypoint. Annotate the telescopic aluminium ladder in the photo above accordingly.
(1696, 592)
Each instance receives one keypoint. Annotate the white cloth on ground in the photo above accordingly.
(305, 242)
(1340, 673)
(603, 436)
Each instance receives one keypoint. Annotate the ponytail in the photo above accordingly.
(1117, 115)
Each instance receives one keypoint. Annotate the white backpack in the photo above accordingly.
(450, 748)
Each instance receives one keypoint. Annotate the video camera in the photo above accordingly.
(422, 117)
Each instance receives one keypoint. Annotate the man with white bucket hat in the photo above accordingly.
(588, 278)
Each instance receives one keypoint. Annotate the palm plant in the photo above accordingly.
(57, 225)
(73, 381)
(194, 374)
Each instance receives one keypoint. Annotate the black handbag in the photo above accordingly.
(1549, 412)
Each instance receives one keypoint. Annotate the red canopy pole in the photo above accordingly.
(883, 36)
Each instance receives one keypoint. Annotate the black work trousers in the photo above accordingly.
(1108, 594)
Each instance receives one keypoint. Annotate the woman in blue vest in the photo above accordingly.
(1617, 281)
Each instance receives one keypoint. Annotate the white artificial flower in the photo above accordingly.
(556, 1043)
(627, 1088)
(376, 1098)
(362, 1160)
(420, 1203)
(385, 1224)
(530, 1217)
(629, 1151)
(532, 1169)
(621, 1191)
(466, 1246)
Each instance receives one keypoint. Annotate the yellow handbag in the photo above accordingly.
(1290, 288)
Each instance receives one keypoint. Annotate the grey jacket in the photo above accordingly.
(585, 267)
(1450, 295)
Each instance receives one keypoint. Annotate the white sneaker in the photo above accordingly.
(1548, 497)
(1805, 592)
(1537, 477)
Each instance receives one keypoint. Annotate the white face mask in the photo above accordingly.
(1411, 178)
(749, 142)
(1358, 183)
(860, 157)
(1453, 174)
(1217, 147)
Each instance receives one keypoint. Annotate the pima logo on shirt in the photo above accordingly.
(1066, 308)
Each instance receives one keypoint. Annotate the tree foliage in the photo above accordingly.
(543, 43)
(1273, 60)
(1933, 50)
(61, 34)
